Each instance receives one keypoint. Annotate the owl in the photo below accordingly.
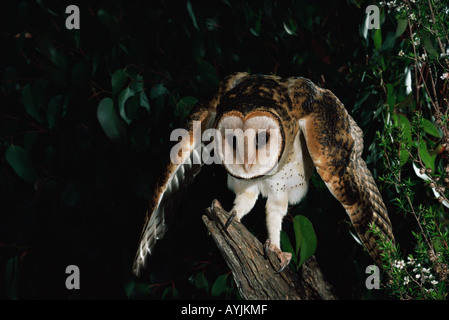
(270, 134)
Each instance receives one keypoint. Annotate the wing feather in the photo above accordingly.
(178, 176)
(335, 144)
(171, 185)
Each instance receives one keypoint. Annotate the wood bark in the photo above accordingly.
(255, 275)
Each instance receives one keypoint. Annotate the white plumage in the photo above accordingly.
(288, 184)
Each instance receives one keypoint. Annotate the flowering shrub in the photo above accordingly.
(415, 152)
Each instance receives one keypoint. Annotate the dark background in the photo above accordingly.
(80, 198)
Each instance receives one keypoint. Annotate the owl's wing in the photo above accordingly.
(335, 144)
(178, 174)
(184, 165)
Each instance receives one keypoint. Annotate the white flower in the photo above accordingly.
(416, 39)
(445, 76)
(410, 261)
(417, 276)
(391, 3)
(412, 16)
(434, 282)
(406, 280)
(400, 264)
(423, 57)
(401, 53)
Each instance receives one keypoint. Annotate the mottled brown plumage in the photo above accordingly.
(331, 140)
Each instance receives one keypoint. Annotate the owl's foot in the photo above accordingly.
(232, 214)
(284, 257)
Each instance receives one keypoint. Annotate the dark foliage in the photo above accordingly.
(78, 191)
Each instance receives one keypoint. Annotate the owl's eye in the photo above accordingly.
(262, 139)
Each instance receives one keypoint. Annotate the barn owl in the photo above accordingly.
(295, 127)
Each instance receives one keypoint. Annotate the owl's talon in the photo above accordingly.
(284, 257)
(266, 248)
(215, 203)
(231, 217)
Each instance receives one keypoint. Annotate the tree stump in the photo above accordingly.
(255, 276)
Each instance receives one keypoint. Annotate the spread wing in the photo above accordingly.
(185, 163)
(335, 144)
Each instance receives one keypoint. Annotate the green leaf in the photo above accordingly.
(377, 39)
(406, 102)
(389, 42)
(158, 90)
(430, 128)
(219, 286)
(201, 281)
(118, 80)
(28, 101)
(132, 107)
(54, 109)
(110, 22)
(402, 25)
(361, 98)
(428, 160)
(129, 286)
(287, 246)
(364, 27)
(144, 103)
(95, 61)
(17, 157)
(12, 278)
(404, 124)
(140, 290)
(192, 15)
(122, 99)
(290, 27)
(109, 120)
(187, 101)
(305, 238)
(429, 43)
(137, 84)
(172, 291)
(46, 8)
(184, 106)
(298, 235)
(391, 97)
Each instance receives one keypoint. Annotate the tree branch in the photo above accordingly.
(254, 275)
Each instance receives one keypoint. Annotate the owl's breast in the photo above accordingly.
(292, 177)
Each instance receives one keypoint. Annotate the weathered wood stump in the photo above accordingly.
(255, 276)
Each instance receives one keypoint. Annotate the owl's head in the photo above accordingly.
(251, 145)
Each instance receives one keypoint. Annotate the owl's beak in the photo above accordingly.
(249, 161)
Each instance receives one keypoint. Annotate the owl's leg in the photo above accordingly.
(276, 210)
(243, 204)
